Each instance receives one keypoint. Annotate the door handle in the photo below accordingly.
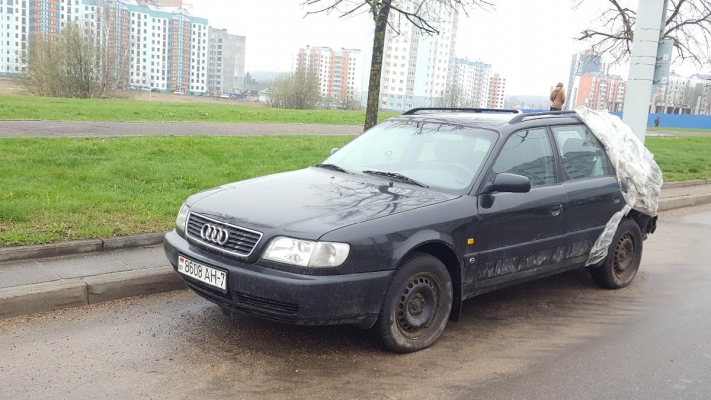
(616, 198)
(555, 209)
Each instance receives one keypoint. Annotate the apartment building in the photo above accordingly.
(473, 79)
(225, 69)
(497, 91)
(340, 72)
(683, 95)
(148, 45)
(416, 67)
(598, 92)
(582, 63)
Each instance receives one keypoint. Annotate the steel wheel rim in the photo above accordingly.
(625, 253)
(418, 305)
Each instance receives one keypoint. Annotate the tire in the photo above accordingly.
(624, 255)
(416, 306)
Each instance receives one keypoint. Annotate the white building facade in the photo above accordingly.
(473, 79)
(417, 68)
(148, 45)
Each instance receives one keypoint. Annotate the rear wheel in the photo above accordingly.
(417, 304)
(624, 255)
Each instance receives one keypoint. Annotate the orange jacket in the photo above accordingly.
(558, 97)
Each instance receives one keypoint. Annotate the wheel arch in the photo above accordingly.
(442, 249)
(647, 224)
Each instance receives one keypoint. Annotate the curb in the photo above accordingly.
(697, 182)
(674, 203)
(74, 247)
(68, 293)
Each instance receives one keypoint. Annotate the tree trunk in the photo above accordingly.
(376, 65)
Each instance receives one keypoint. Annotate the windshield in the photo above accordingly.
(434, 154)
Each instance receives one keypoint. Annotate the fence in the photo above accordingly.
(684, 121)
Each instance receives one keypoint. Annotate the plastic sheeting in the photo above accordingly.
(638, 174)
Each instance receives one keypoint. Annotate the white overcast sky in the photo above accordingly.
(530, 42)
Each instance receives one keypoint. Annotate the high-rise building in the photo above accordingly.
(168, 48)
(340, 72)
(147, 45)
(118, 49)
(417, 68)
(225, 68)
(582, 63)
(472, 78)
(598, 92)
(497, 91)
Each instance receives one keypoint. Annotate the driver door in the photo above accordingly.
(522, 234)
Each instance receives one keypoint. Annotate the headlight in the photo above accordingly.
(182, 219)
(306, 253)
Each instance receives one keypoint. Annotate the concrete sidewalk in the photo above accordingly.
(32, 286)
(46, 284)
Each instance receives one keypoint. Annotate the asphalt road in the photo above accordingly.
(557, 338)
(106, 129)
(109, 129)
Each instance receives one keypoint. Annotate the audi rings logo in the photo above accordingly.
(214, 234)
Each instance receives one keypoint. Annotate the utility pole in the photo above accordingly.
(649, 64)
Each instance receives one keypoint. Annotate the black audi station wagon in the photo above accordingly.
(394, 230)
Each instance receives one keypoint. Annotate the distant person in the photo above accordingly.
(557, 97)
(656, 122)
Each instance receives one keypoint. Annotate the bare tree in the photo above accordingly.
(42, 59)
(84, 66)
(351, 101)
(295, 90)
(453, 96)
(73, 66)
(688, 23)
(424, 15)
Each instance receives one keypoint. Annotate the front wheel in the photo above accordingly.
(624, 255)
(417, 304)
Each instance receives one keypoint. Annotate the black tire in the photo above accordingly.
(624, 255)
(416, 306)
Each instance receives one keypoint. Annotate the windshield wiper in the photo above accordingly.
(395, 175)
(333, 167)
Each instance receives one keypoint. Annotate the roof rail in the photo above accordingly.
(474, 110)
(523, 116)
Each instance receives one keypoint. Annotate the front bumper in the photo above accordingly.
(284, 296)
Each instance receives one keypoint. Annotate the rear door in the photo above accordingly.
(591, 185)
(521, 233)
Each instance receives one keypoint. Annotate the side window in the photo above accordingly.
(528, 153)
(581, 153)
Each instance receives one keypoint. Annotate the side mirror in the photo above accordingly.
(509, 183)
(334, 150)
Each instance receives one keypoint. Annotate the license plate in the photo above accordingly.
(203, 273)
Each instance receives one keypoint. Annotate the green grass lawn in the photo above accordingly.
(683, 157)
(62, 188)
(652, 128)
(49, 108)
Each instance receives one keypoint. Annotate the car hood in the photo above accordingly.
(311, 202)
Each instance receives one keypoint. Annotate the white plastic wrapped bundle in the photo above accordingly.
(636, 171)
